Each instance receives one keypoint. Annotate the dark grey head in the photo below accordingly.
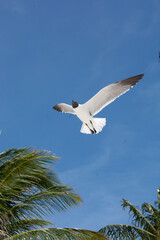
(74, 104)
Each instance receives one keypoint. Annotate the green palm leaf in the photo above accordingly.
(146, 225)
(29, 189)
(26, 225)
(57, 198)
(126, 232)
(152, 214)
(58, 234)
(138, 218)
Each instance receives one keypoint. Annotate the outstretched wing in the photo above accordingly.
(109, 93)
(64, 108)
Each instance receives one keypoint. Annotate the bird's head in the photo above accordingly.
(74, 104)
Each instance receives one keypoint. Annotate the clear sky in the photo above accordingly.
(55, 51)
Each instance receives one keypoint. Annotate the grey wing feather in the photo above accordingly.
(109, 93)
(64, 108)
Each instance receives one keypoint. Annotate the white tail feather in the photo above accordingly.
(98, 124)
(85, 129)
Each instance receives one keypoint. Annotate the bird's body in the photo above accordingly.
(82, 113)
(90, 124)
(104, 97)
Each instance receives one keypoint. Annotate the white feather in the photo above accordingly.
(99, 123)
(85, 129)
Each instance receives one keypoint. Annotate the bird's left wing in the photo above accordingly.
(64, 108)
(109, 93)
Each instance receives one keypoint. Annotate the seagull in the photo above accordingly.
(86, 112)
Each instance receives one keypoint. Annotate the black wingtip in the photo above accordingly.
(136, 78)
(140, 76)
(132, 80)
(57, 108)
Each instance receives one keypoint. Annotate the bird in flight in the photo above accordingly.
(86, 112)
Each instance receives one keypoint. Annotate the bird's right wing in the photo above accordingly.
(109, 93)
(64, 108)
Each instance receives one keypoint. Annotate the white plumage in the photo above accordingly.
(104, 97)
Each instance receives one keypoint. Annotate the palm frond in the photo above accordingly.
(57, 198)
(152, 214)
(15, 163)
(126, 232)
(3, 234)
(147, 208)
(138, 219)
(29, 189)
(16, 227)
(58, 234)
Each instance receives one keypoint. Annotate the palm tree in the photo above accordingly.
(29, 190)
(146, 223)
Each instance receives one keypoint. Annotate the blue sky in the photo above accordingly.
(55, 51)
